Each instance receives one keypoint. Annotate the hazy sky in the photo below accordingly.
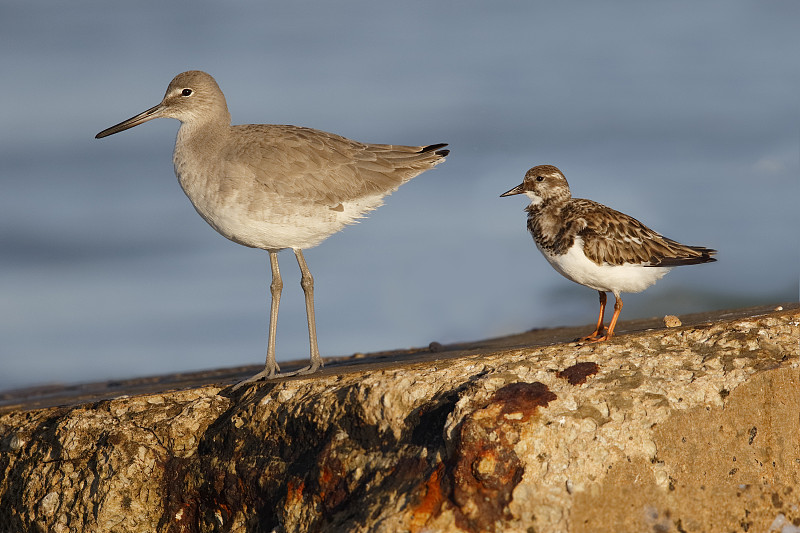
(682, 114)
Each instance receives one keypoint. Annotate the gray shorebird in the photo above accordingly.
(275, 187)
(595, 245)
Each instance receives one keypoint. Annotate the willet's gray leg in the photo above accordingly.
(275, 289)
(271, 367)
(307, 282)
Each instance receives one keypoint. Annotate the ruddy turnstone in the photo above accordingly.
(595, 245)
(275, 187)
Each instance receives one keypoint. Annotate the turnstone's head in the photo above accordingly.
(542, 183)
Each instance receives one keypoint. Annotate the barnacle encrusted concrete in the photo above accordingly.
(691, 428)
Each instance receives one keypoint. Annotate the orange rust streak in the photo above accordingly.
(294, 491)
(325, 476)
(431, 502)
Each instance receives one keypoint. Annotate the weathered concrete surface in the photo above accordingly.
(690, 428)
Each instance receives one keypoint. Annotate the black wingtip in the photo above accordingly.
(435, 147)
(706, 257)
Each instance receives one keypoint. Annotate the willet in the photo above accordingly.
(275, 187)
(596, 246)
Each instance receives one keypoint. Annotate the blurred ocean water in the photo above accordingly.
(683, 115)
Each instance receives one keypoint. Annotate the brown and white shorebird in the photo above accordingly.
(595, 245)
(274, 187)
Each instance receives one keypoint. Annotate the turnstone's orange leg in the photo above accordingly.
(598, 331)
(614, 317)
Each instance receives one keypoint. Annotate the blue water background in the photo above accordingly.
(683, 114)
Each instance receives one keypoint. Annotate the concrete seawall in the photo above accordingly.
(694, 427)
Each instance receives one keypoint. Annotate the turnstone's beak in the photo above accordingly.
(516, 190)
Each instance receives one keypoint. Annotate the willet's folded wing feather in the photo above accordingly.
(319, 167)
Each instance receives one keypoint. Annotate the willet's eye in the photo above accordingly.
(539, 178)
(186, 92)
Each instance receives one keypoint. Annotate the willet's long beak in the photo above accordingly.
(150, 114)
(512, 192)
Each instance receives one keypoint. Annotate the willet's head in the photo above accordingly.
(193, 97)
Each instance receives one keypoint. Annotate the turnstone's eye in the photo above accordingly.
(539, 178)
(186, 92)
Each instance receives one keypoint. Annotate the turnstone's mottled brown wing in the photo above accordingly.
(614, 238)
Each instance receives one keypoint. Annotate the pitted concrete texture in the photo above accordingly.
(691, 428)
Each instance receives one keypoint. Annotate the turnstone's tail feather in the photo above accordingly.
(688, 255)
